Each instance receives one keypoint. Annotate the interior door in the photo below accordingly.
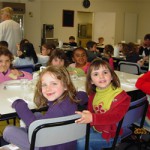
(130, 27)
(104, 26)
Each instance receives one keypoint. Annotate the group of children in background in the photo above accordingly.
(107, 102)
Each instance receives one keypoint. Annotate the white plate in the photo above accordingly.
(128, 84)
(131, 80)
(12, 84)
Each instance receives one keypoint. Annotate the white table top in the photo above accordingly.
(16, 90)
(127, 81)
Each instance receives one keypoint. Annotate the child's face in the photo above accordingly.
(147, 42)
(80, 58)
(4, 63)
(57, 62)
(52, 88)
(94, 48)
(44, 51)
(101, 40)
(71, 40)
(101, 77)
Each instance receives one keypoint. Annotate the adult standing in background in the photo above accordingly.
(9, 29)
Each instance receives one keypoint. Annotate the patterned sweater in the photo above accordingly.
(106, 123)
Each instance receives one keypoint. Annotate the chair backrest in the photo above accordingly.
(54, 131)
(136, 112)
(129, 67)
(27, 68)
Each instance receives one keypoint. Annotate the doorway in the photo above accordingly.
(104, 26)
(84, 27)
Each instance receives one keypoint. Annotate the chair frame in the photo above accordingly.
(125, 63)
(61, 121)
(122, 123)
(142, 102)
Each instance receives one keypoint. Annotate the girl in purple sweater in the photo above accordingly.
(55, 90)
(6, 70)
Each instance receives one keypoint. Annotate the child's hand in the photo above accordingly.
(19, 53)
(17, 73)
(2, 69)
(86, 116)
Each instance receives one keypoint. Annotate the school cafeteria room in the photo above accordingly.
(79, 76)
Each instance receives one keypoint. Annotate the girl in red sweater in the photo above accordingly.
(107, 105)
(143, 83)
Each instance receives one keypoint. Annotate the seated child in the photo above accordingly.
(100, 41)
(58, 58)
(4, 44)
(92, 51)
(26, 55)
(108, 52)
(79, 57)
(107, 105)
(54, 90)
(47, 48)
(6, 70)
(72, 41)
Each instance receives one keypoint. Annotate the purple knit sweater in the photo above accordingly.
(64, 108)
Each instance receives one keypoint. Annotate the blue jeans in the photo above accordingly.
(96, 142)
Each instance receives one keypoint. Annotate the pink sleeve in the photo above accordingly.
(27, 75)
(111, 62)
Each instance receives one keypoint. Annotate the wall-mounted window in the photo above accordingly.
(68, 18)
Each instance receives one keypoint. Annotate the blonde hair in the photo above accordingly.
(62, 74)
(8, 11)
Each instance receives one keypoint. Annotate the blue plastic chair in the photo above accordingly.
(136, 113)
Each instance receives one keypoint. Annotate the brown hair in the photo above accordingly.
(129, 49)
(4, 51)
(95, 65)
(71, 38)
(109, 50)
(49, 46)
(58, 53)
(62, 74)
(100, 38)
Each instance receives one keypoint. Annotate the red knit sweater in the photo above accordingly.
(143, 83)
(107, 122)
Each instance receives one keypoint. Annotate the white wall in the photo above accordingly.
(50, 12)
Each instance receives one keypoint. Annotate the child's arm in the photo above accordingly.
(143, 83)
(110, 117)
(23, 111)
(16, 74)
(86, 116)
(83, 97)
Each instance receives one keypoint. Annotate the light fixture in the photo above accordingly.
(86, 3)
